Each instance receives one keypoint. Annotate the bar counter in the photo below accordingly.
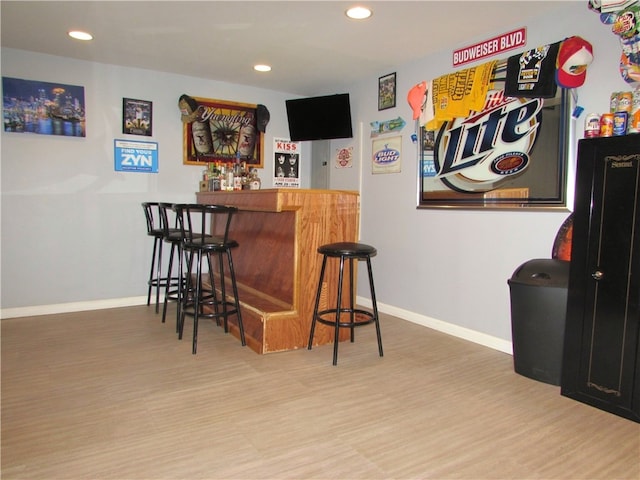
(277, 264)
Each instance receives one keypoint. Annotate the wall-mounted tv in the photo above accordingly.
(319, 118)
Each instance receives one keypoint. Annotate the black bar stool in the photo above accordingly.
(154, 229)
(195, 221)
(172, 234)
(357, 317)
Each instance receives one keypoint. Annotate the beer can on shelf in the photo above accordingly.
(592, 125)
(620, 123)
(625, 100)
(633, 124)
(606, 125)
(613, 102)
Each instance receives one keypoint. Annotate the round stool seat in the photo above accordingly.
(173, 235)
(347, 249)
(156, 233)
(211, 244)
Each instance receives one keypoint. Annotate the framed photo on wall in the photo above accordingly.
(44, 108)
(387, 91)
(223, 132)
(136, 117)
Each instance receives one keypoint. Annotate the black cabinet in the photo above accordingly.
(601, 358)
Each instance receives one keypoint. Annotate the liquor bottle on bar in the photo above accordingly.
(223, 177)
(237, 175)
(254, 180)
(230, 177)
(214, 177)
(245, 176)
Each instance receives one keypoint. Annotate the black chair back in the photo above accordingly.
(152, 214)
(205, 226)
(169, 221)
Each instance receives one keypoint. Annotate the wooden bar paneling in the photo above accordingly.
(277, 264)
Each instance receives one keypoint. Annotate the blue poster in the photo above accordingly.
(132, 156)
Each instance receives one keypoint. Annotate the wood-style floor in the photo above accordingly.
(113, 394)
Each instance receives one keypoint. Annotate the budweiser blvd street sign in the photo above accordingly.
(493, 46)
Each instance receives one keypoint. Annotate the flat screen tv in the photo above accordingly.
(319, 118)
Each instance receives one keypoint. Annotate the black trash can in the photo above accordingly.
(538, 312)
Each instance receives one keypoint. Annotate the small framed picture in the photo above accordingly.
(387, 91)
(136, 117)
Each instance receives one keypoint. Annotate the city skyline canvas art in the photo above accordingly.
(43, 108)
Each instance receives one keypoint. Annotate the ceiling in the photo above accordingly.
(311, 45)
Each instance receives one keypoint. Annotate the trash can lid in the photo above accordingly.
(547, 272)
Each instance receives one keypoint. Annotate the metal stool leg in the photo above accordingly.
(188, 288)
(351, 294)
(197, 302)
(156, 266)
(159, 275)
(234, 286)
(181, 285)
(336, 338)
(315, 309)
(153, 267)
(375, 306)
(214, 294)
(223, 292)
(168, 284)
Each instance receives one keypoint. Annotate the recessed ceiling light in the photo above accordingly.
(358, 13)
(79, 35)
(262, 68)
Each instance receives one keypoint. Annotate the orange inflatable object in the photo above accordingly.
(562, 244)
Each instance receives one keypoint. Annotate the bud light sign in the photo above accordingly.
(386, 155)
(131, 156)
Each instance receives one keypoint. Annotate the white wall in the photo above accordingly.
(73, 231)
(453, 265)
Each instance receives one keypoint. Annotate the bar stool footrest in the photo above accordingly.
(370, 318)
(231, 309)
(173, 294)
(162, 282)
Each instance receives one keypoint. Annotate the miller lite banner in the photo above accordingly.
(512, 153)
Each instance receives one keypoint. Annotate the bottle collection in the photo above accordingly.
(230, 176)
(622, 118)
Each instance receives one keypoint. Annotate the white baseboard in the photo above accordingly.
(444, 327)
(72, 307)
